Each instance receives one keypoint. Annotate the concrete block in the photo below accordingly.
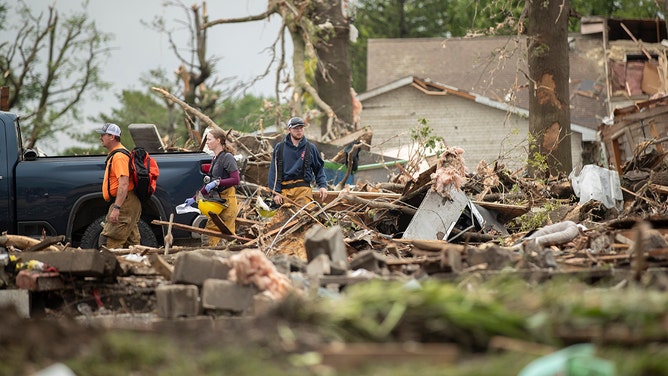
(262, 304)
(320, 265)
(78, 262)
(369, 260)
(329, 241)
(194, 268)
(19, 299)
(177, 301)
(226, 295)
(39, 281)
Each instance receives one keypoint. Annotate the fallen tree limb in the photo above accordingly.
(197, 114)
(347, 196)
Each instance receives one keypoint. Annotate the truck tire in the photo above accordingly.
(90, 237)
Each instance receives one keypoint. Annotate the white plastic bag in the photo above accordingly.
(598, 183)
(185, 208)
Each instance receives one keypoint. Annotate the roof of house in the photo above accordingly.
(429, 87)
(492, 67)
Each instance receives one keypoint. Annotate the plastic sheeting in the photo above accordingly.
(598, 183)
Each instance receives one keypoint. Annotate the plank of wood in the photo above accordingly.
(220, 224)
(200, 230)
(161, 266)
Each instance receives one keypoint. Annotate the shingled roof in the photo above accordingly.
(494, 67)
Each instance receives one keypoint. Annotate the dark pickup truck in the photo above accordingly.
(50, 196)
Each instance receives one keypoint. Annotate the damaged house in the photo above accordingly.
(474, 91)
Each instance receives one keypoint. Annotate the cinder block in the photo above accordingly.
(39, 281)
(79, 262)
(369, 260)
(177, 301)
(19, 299)
(319, 240)
(262, 304)
(320, 265)
(226, 295)
(194, 268)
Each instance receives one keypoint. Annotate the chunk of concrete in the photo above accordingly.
(78, 262)
(262, 304)
(369, 260)
(225, 295)
(320, 265)
(175, 301)
(19, 299)
(34, 280)
(194, 268)
(320, 240)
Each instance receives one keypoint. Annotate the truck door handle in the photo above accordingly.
(46, 195)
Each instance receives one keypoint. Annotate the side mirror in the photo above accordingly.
(30, 155)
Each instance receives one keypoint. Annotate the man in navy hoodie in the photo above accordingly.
(295, 165)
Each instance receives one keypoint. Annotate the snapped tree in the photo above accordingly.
(50, 64)
(319, 32)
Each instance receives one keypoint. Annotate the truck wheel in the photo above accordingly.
(92, 234)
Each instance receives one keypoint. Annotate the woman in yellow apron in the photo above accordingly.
(223, 176)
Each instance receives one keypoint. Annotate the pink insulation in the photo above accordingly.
(251, 266)
(449, 170)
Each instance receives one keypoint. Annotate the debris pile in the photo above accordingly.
(444, 223)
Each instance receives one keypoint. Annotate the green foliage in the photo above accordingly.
(617, 8)
(537, 161)
(57, 69)
(127, 353)
(458, 18)
(428, 144)
(425, 19)
(534, 219)
(435, 311)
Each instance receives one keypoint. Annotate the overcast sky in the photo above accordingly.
(137, 49)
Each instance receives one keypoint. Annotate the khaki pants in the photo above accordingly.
(300, 195)
(126, 231)
(228, 215)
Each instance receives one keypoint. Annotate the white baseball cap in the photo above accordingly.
(110, 128)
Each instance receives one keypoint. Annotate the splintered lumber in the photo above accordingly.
(161, 266)
(433, 245)
(51, 240)
(25, 242)
(220, 224)
(199, 230)
(505, 212)
(355, 199)
(332, 195)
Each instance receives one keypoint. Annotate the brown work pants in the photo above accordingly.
(228, 215)
(126, 231)
(299, 195)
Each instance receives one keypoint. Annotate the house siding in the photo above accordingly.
(485, 133)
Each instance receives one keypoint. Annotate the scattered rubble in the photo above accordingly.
(360, 232)
(443, 223)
